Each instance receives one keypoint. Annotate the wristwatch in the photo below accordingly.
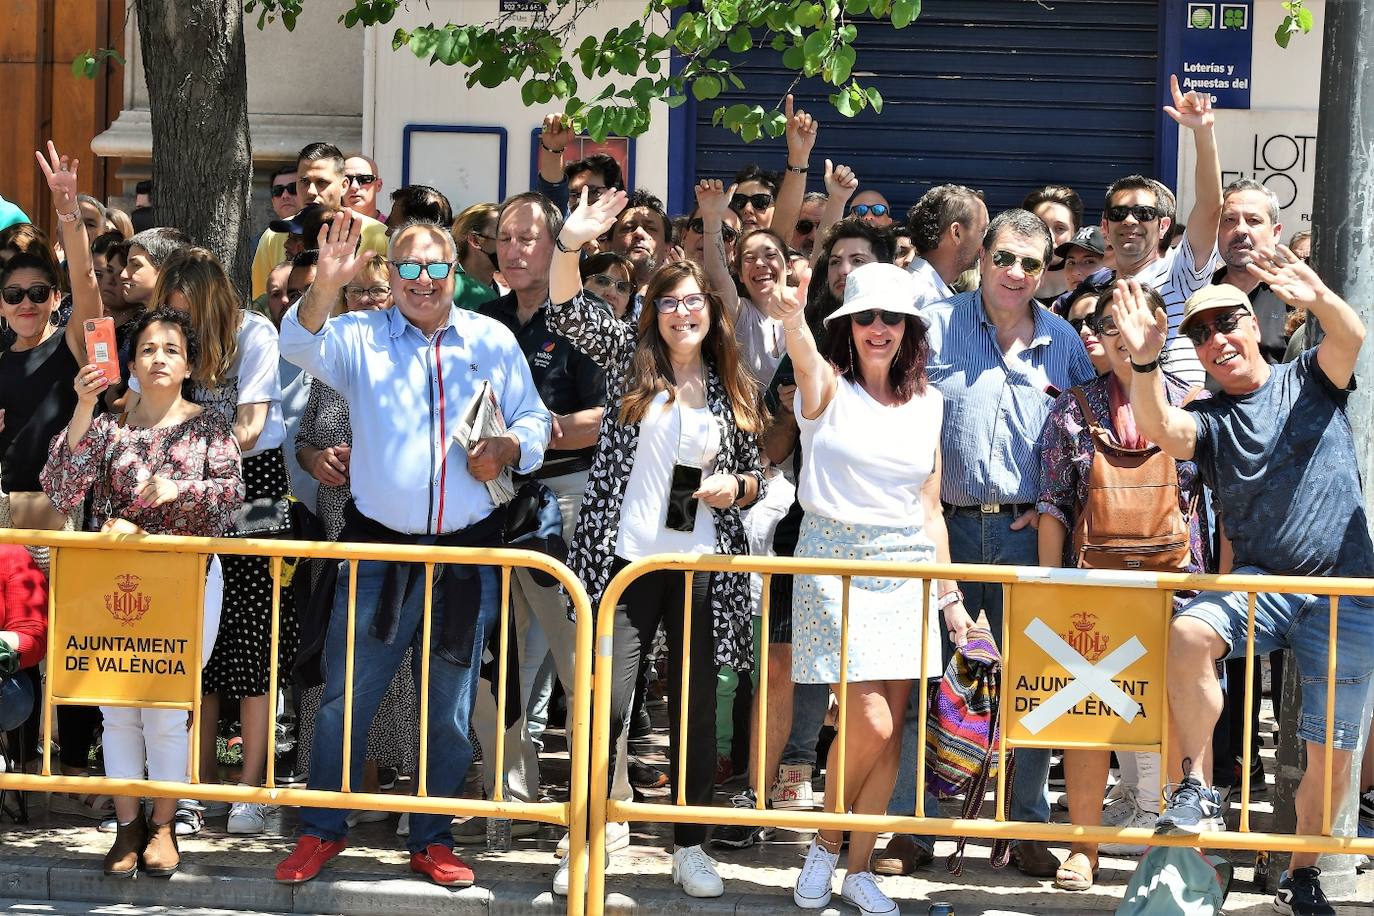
(799, 170)
(1151, 366)
(948, 598)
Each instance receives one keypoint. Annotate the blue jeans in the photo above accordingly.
(452, 695)
(810, 702)
(977, 538)
(16, 701)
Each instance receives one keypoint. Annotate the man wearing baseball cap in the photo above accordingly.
(1277, 449)
(1083, 256)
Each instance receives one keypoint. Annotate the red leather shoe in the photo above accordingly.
(441, 866)
(308, 858)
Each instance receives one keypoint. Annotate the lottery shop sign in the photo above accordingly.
(1085, 665)
(125, 625)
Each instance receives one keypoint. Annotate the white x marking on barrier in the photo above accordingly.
(1087, 677)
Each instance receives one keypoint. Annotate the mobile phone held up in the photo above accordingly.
(101, 350)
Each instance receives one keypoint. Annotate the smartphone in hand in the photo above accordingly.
(101, 350)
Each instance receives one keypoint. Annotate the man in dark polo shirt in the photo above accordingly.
(573, 389)
(1250, 224)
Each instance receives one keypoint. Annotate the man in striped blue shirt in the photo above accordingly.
(1000, 360)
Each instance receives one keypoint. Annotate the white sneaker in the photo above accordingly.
(560, 876)
(861, 890)
(366, 817)
(246, 817)
(403, 825)
(617, 838)
(814, 883)
(1143, 819)
(1123, 810)
(793, 788)
(696, 872)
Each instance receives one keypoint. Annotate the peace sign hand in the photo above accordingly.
(591, 219)
(339, 258)
(61, 175)
(1288, 277)
(1193, 111)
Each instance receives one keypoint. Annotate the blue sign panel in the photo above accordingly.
(1216, 51)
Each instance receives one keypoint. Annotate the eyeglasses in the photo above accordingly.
(38, 294)
(806, 226)
(281, 190)
(1078, 323)
(411, 270)
(1200, 332)
(1003, 259)
(1104, 327)
(698, 225)
(760, 201)
(366, 292)
(862, 210)
(594, 192)
(868, 316)
(694, 302)
(1141, 213)
(624, 287)
(359, 180)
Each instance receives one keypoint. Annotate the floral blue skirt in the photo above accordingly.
(884, 613)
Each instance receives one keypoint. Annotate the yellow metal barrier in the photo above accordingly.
(604, 809)
(571, 815)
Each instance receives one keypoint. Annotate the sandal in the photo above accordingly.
(1076, 874)
(92, 807)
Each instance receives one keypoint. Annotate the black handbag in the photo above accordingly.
(264, 517)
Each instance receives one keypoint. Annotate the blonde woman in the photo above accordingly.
(475, 232)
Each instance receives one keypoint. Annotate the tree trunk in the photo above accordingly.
(193, 59)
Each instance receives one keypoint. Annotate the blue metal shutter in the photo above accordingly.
(1002, 95)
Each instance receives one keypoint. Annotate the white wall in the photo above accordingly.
(403, 89)
(1275, 140)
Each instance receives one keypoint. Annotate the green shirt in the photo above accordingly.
(469, 292)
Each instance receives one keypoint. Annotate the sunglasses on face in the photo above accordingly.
(1003, 259)
(38, 294)
(624, 287)
(281, 190)
(868, 316)
(1142, 214)
(1199, 333)
(359, 180)
(727, 232)
(806, 226)
(694, 302)
(366, 292)
(862, 210)
(760, 201)
(1104, 327)
(411, 270)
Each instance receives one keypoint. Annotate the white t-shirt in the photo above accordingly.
(760, 339)
(253, 378)
(865, 463)
(668, 435)
(1176, 276)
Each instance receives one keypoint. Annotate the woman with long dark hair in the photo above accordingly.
(870, 488)
(677, 457)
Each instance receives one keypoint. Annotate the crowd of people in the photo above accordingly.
(778, 371)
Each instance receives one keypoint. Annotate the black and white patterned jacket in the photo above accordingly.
(610, 342)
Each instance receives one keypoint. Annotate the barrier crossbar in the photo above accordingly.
(604, 809)
(571, 814)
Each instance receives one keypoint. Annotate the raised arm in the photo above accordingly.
(816, 378)
(61, 175)
(592, 329)
(801, 139)
(1144, 333)
(554, 136)
(1194, 111)
(840, 185)
(1298, 286)
(338, 262)
(712, 202)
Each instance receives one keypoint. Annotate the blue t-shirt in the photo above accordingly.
(1281, 461)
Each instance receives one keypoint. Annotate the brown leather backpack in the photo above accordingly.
(1131, 519)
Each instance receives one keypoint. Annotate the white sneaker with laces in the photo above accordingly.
(560, 876)
(793, 787)
(1124, 810)
(814, 883)
(861, 890)
(246, 818)
(617, 838)
(1144, 819)
(696, 872)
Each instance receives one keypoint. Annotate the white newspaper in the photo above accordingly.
(481, 419)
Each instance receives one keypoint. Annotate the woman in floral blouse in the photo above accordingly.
(1067, 452)
(167, 467)
(677, 456)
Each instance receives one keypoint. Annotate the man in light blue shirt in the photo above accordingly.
(999, 360)
(408, 373)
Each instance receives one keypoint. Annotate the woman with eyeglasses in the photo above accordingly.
(610, 276)
(474, 231)
(870, 488)
(677, 457)
(1084, 423)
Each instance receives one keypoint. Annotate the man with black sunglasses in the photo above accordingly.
(283, 191)
(1139, 211)
(808, 222)
(362, 184)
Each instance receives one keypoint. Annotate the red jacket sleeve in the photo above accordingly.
(24, 603)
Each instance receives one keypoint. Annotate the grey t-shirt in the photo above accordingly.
(1281, 462)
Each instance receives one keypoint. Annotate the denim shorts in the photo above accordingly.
(1300, 623)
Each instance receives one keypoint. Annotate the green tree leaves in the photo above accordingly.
(1297, 18)
(87, 63)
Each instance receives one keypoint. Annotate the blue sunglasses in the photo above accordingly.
(862, 210)
(410, 270)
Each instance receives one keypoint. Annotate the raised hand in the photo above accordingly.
(590, 220)
(556, 132)
(713, 199)
(801, 133)
(840, 181)
(61, 175)
(1143, 331)
(90, 381)
(339, 258)
(1288, 276)
(1193, 111)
